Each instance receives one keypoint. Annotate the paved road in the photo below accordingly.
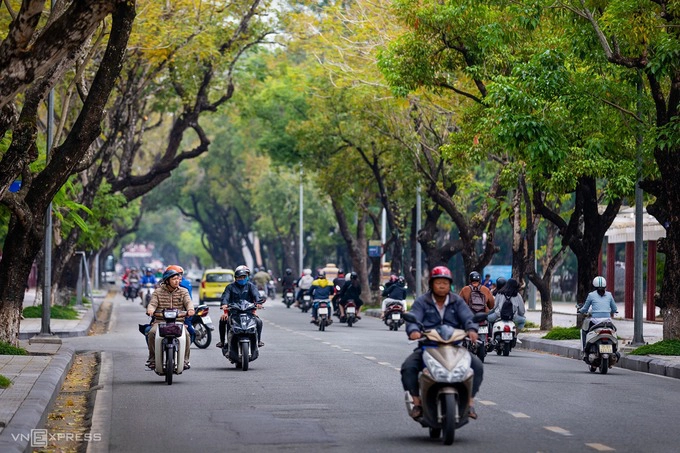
(340, 390)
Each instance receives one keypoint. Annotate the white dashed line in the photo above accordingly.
(558, 430)
(486, 403)
(327, 342)
(385, 363)
(398, 369)
(347, 350)
(600, 447)
(518, 414)
(336, 346)
(369, 357)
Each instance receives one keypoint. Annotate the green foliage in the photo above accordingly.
(665, 347)
(56, 312)
(4, 382)
(564, 333)
(8, 349)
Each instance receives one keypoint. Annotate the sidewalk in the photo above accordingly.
(36, 378)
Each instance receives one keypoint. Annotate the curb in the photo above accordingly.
(33, 412)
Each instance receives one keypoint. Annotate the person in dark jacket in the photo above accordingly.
(436, 307)
(395, 293)
(241, 289)
(288, 282)
(351, 290)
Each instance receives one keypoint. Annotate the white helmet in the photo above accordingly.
(599, 282)
(307, 271)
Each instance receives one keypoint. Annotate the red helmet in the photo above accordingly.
(441, 272)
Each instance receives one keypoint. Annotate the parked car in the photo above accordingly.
(213, 283)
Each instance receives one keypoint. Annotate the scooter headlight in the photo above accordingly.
(441, 374)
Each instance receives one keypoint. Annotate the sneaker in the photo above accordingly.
(518, 341)
(151, 365)
(187, 365)
(312, 321)
(260, 344)
(219, 345)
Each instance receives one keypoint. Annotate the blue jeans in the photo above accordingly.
(190, 328)
(517, 319)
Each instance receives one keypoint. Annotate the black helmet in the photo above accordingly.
(475, 277)
(340, 271)
(289, 271)
(500, 282)
(401, 281)
(353, 276)
(321, 274)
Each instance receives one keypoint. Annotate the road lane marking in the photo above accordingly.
(600, 447)
(558, 430)
(518, 414)
(369, 357)
(327, 342)
(336, 346)
(398, 369)
(385, 363)
(347, 350)
(486, 403)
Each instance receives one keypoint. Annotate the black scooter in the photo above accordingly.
(241, 345)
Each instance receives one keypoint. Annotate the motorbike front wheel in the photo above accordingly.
(245, 356)
(481, 350)
(203, 335)
(169, 364)
(451, 402)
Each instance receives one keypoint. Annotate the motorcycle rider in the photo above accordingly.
(303, 283)
(321, 289)
(500, 283)
(603, 307)
(395, 293)
(351, 290)
(261, 278)
(168, 295)
(510, 291)
(185, 283)
(338, 282)
(476, 286)
(131, 281)
(288, 282)
(438, 306)
(242, 289)
(149, 277)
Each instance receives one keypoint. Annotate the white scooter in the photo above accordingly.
(170, 345)
(504, 336)
(601, 350)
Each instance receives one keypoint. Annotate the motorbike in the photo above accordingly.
(271, 290)
(602, 346)
(394, 312)
(203, 326)
(132, 288)
(446, 383)
(241, 345)
(306, 301)
(323, 315)
(289, 298)
(350, 313)
(483, 344)
(504, 336)
(149, 287)
(170, 345)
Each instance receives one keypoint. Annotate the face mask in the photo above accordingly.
(600, 292)
(242, 282)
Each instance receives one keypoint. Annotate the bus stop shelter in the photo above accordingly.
(622, 231)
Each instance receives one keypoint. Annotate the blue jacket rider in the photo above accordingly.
(602, 304)
(322, 289)
(241, 289)
(436, 307)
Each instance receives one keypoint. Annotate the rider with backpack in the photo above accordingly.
(477, 296)
(509, 305)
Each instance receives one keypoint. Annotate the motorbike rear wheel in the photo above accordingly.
(451, 402)
(350, 320)
(506, 349)
(203, 336)
(481, 351)
(169, 364)
(604, 366)
(245, 356)
(322, 324)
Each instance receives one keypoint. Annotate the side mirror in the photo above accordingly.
(408, 317)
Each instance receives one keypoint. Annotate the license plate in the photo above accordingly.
(606, 349)
(483, 329)
(396, 316)
(351, 310)
(289, 295)
(506, 336)
(323, 310)
(306, 297)
(207, 320)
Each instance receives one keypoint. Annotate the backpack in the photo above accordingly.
(477, 300)
(507, 311)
